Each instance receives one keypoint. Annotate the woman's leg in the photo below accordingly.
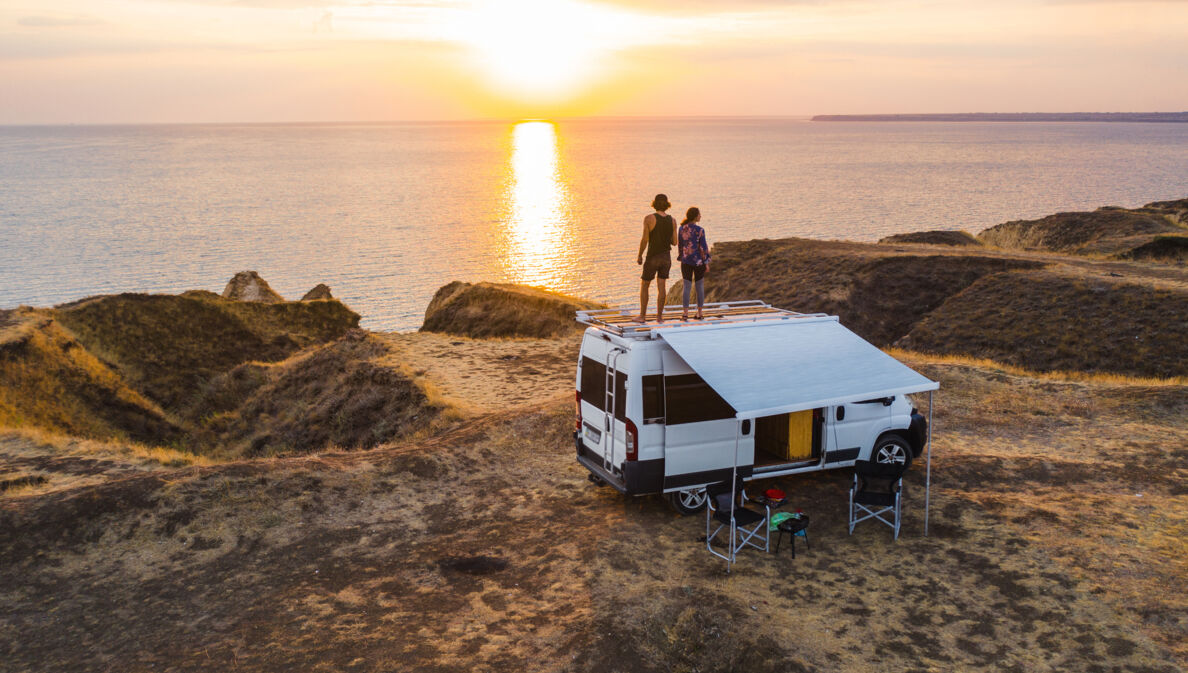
(687, 277)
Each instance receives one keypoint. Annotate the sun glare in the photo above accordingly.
(544, 50)
(538, 248)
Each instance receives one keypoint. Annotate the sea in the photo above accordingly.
(385, 214)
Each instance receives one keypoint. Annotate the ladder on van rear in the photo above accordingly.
(609, 401)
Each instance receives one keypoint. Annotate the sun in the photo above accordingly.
(542, 50)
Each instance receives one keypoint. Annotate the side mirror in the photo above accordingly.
(746, 427)
(841, 413)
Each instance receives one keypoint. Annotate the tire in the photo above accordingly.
(688, 502)
(892, 448)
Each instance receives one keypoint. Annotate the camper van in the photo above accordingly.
(750, 392)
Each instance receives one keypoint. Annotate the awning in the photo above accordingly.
(763, 370)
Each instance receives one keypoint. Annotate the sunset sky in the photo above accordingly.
(82, 61)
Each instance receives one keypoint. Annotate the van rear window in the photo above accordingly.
(689, 399)
(594, 382)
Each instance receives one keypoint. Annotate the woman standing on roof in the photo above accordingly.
(694, 256)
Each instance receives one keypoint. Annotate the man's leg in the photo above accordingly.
(661, 295)
(643, 300)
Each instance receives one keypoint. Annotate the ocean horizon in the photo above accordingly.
(385, 213)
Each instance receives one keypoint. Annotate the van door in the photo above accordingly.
(700, 434)
(853, 425)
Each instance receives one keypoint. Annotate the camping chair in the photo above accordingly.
(877, 492)
(724, 505)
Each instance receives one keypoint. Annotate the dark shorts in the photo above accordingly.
(690, 272)
(656, 265)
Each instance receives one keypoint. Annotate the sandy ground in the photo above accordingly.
(488, 375)
(1058, 531)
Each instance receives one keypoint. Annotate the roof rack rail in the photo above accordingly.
(623, 322)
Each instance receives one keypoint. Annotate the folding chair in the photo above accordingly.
(877, 492)
(724, 505)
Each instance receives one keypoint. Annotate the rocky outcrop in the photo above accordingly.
(249, 286)
(320, 291)
(933, 238)
(502, 310)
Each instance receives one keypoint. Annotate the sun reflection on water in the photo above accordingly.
(538, 248)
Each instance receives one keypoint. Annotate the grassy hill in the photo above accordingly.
(1157, 231)
(878, 292)
(49, 380)
(168, 345)
(1059, 319)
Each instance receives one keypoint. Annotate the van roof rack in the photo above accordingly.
(623, 321)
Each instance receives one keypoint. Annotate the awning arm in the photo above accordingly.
(928, 471)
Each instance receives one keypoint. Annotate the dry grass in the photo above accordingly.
(878, 291)
(412, 557)
(957, 238)
(1141, 233)
(168, 346)
(344, 394)
(48, 380)
(1050, 320)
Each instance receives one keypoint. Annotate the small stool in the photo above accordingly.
(793, 527)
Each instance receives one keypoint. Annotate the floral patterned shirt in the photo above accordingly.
(692, 248)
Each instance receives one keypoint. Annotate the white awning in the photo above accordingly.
(763, 370)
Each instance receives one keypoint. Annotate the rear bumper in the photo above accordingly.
(638, 477)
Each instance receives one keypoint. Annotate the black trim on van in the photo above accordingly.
(842, 455)
(639, 477)
(706, 477)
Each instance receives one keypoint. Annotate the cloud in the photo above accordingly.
(58, 21)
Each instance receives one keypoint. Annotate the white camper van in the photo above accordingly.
(750, 390)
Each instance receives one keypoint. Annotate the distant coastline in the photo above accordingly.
(1160, 117)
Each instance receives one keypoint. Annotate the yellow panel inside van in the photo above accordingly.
(800, 435)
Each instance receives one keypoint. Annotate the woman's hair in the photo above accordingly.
(661, 203)
(692, 214)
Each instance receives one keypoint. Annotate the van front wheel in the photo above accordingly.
(892, 448)
(687, 502)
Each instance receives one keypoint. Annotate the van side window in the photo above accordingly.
(653, 399)
(689, 399)
(594, 382)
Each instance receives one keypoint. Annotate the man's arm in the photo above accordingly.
(674, 234)
(649, 222)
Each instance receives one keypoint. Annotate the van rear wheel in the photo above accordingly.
(687, 502)
(892, 448)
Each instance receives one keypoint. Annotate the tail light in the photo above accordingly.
(632, 441)
(577, 411)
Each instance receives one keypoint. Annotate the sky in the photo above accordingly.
(140, 61)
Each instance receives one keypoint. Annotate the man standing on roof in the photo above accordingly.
(659, 235)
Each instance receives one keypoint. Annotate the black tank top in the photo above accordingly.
(660, 239)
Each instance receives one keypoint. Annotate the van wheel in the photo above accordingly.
(688, 502)
(892, 448)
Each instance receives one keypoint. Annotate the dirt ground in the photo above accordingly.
(1058, 541)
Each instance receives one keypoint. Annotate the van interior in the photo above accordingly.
(789, 438)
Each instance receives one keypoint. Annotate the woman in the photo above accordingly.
(694, 255)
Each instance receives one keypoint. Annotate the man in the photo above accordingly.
(659, 235)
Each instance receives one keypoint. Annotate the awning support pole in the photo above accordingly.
(733, 502)
(928, 471)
